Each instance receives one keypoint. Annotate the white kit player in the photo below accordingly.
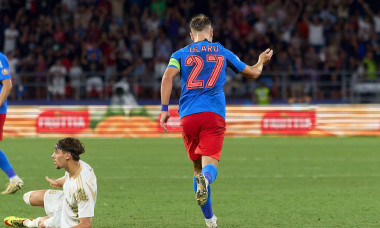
(73, 206)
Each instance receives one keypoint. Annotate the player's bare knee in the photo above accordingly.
(36, 198)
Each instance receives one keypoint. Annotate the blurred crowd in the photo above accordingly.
(83, 48)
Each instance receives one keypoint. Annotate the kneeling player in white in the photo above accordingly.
(72, 207)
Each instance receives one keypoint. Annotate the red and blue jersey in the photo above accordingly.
(4, 74)
(202, 66)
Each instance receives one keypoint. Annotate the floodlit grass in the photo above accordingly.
(262, 182)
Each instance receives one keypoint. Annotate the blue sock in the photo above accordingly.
(6, 166)
(207, 208)
(210, 172)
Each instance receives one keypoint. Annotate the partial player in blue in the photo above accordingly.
(15, 182)
(202, 106)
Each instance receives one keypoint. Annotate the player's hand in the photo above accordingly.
(53, 183)
(165, 115)
(266, 56)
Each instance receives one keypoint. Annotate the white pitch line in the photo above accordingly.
(278, 176)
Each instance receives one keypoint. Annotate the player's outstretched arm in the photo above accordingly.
(166, 90)
(56, 183)
(254, 71)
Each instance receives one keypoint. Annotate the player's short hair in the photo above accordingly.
(71, 145)
(199, 22)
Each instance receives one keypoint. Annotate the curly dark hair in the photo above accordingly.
(199, 22)
(73, 146)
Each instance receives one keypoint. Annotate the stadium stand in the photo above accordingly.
(323, 49)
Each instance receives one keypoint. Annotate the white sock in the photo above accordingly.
(211, 219)
(14, 179)
(31, 222)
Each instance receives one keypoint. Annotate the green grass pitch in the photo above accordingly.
(262, 182)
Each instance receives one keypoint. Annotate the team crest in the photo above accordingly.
(5, 72)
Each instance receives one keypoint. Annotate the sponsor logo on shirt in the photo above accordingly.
(288, 122)
(63, 121)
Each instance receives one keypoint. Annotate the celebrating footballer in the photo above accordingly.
(202, 107)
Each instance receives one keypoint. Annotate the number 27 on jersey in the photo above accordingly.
(197, 61)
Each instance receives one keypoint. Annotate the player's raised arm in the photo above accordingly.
(254, 71)
(166, 90)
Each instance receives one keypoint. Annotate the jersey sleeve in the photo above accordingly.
(86, 200)
(234, 62)
(4, 69)
(175, 60)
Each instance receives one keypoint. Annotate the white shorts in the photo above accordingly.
(59, 86)
(94, 83)
(53, 203)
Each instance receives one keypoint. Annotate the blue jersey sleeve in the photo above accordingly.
(234, 62)
(4, 68)
(175, 60)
